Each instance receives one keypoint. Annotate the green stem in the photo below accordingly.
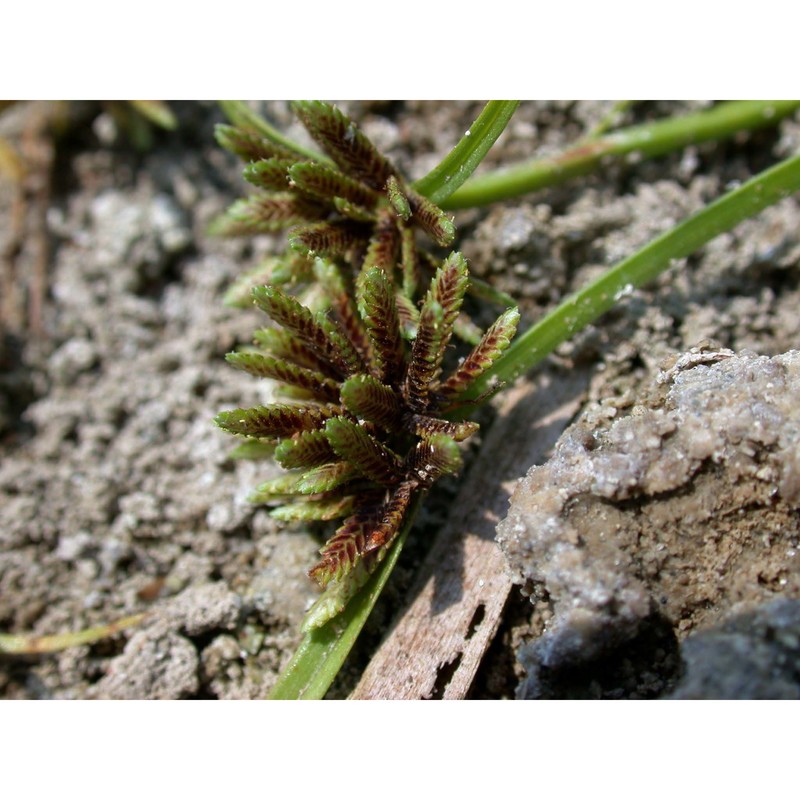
(648, 140)
(323, 650)
(462, 160)
(585, 306)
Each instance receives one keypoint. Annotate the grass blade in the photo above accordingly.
(649, 140)
(583, 307)
(462, 160)
(323, 650)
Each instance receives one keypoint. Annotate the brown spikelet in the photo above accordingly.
(325, 182)
(378, 309)
(392, 517)
(496, 339)
(250, 146)
(284, 344)
(432, 458)
(316, 332)
(426, 427)
(274, 420)
(324, 389)
(344, 143)
(342, 551)
(329, 239)
(266, 213)
(370, 457)
(432, 219)
(384, 246)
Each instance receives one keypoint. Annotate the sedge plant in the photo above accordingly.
(373, 422)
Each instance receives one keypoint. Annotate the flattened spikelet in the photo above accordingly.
(274, 420)
(324, 389)
(367, 398)
(329, 239)
(378, 309)
(344, 143)
(370, 457)
(485, 353)
(434, 457)
(432, 219)
(306, 449)
(249, 146)
(264, 213)
(326, 182)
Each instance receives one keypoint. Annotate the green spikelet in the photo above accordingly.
(367, 398)
(397, 199)
(306, 449)
(372, 459)
(322, 510)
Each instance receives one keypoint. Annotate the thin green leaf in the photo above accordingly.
(463, 159)
(585, 306)
(29, 644)
(324, 649)
(648, 140)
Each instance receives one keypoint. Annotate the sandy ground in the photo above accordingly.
(117, 496)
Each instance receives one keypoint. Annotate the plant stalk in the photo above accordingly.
(643, 141)
(585, 306)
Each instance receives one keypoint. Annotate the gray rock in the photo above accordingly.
(752, 656)
(680, 509)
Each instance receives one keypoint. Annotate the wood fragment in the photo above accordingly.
(434, 650)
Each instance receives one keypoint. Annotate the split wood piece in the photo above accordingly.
(434, 650)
